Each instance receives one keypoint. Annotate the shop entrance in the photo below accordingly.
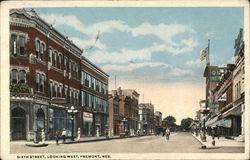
(18, 124)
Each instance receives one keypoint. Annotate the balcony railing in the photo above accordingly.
(19, 87)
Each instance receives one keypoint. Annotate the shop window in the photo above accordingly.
(14, 76)
(40, 119)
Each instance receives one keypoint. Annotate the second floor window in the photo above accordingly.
(40, 78)
(14, 76)
(17, 45)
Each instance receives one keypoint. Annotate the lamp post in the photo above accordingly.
(205, 111)
(72, 111)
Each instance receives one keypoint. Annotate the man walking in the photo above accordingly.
(167, 132)
(64, 134)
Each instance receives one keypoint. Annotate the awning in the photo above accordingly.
(211, 121)
(227, 123)
(235, 111)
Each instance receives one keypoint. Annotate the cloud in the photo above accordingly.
(84, 44)
(195, 63)
(208, 34)
(131, 67)
(181, 72)
(165, 32)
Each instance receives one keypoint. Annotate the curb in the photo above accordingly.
(102, 139)
(203, 146)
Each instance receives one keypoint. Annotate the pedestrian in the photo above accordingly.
(213, 133)
(57, 137)
(43, 136)
(78, 134)
(218, 131)
(167, 132)
(64, 134)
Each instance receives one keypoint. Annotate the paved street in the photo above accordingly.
(179, 143)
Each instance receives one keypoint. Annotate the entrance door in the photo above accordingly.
(18, 123)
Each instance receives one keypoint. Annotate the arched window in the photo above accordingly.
(13, 44)
(55, 90)
(56, 59)
(14, 76)
(22, 76)
(50, 88)
(37, 48)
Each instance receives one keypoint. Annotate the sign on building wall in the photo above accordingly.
(215, 74)
(213, 105)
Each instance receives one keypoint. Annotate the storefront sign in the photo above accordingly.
(213, 105)
(87, 117)
(58, 100)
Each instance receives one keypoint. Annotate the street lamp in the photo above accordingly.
(72, 111)
(205, 111)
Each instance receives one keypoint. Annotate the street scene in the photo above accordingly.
(185, 143)
(126, 80)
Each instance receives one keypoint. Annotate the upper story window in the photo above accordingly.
(60, 61)
(50, 55)
(40, 48)
(40, 79)
(13, 76)
(65, 63)
(17, 44)
(22, 75)
(53, 59)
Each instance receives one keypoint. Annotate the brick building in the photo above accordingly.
(128, 110)
(45, 79)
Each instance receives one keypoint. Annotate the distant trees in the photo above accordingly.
(171, 122)
(185, 123)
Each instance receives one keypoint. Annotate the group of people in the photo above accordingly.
(64, 134)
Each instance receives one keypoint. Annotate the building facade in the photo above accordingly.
(115, 117)
(128, 110)
(45, 79)
(146, 118)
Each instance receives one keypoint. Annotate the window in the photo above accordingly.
(14, 76)
(22, 75)
(42, 48)
(65, 62)
(87, 80)
(42, 83)
(50, 55)
(66, 92)
(55, 90)
(13, 44)
(53, 59)
(21, 45)
(82, 77)
(56, 59)
(92, 82)
(50, 89)
(37, 48)
(83, 102)
(60, 61)
(37, 81)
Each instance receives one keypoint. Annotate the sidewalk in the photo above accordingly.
(82, 140)
(221, 142)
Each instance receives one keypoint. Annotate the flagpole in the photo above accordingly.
(208, 61)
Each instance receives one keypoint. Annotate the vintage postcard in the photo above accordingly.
(124, 80)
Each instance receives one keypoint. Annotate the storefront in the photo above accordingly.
(87, 124)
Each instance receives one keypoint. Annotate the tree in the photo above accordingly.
(171, 121)
(185, 123)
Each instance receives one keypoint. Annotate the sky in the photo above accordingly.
(153, 50)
